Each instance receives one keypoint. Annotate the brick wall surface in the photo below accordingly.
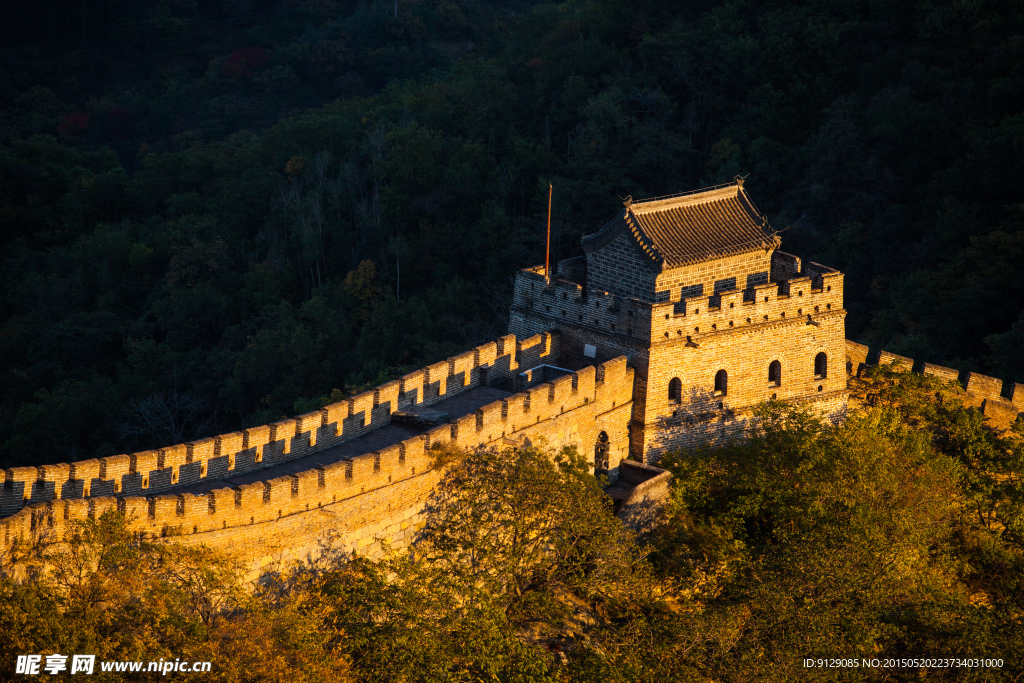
(983, 386)
(619, 269)
(902, 362)
(947, 374)
(744, 270)
(745, 353)
(784, 266)
(856, 356)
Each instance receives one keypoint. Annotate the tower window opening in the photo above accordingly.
(675, 390)
(775, 373)
(721, 383)
(821, 365)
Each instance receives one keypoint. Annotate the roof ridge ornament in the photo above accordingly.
(739, 180)
(628, 201)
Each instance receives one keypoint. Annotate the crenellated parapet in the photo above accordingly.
(561, 303)
(360, 497)
(799, 299)
(1000, 400)
(564, 302)
(155, 471)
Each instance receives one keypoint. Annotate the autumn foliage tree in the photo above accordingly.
(105, 592)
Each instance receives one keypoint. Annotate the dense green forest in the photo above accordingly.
(217, 213)
(898, 534)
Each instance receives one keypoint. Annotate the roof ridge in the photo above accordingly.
(703, 196)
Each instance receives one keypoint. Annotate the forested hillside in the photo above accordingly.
(217, 213)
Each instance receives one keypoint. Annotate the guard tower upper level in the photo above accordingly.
(711, 314)
(672, 248)
(675, 271)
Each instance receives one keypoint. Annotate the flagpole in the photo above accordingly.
(547, 251)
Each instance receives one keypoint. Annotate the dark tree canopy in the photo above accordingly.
(215, 214)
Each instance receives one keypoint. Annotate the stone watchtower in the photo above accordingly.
(694, 291)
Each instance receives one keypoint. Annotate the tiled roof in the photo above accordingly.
(687, 229)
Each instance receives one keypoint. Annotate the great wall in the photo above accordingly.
(1001, 402)
(644, 345)
(342, 478)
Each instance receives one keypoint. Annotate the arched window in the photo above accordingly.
(721, 383)
(675, 391)
(601, 453)
(775, 373)
(821, 365)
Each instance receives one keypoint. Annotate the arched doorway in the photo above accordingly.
(601, 450)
